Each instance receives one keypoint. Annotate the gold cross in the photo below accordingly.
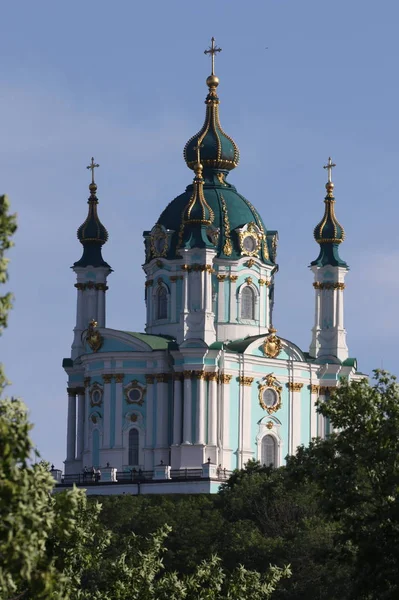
(212, 51)
(92, 166)
(330, 165)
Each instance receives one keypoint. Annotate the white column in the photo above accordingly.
(91, 302)
(212, 409)
(221, 299)
(200, 415)
(71, 425)
(225, 385)
(177, 408)
(262, 303)
(149, 411)
(79, 307)
(81, 421)
(185, 292)
(148, 287)
(101, 289)
(118, 409)
(314, 390)
(321, 424)
(162, 410)
(233, 298)
(87, 410)
(107, 410)
(187, 415)
(173, 300)
(295, 389)
(246, 384)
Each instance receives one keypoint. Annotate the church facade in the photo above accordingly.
(210, 382)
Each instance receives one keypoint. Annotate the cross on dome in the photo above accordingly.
(330, 165)
(212, 51)
(92, 166)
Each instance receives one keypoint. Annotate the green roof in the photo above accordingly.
(156, 342)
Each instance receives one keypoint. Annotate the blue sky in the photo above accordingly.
(125, 82)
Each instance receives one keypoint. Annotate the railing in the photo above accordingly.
(123, 477)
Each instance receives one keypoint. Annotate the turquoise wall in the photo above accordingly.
(305, 415)
(234, 417)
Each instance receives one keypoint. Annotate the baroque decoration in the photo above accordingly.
(270, 394)
(134, 393)
(272, 344)
(159, 241)
(94, 337)
(250, 239)
(96, 395)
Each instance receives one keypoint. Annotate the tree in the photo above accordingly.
(357, 474)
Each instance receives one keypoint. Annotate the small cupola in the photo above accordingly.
(329, 233)
(92, 234)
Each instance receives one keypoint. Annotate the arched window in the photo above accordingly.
(162, 303)
(247, 303)
(133, 447)
(269, 451)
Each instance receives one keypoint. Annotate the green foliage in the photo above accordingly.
(357, 474)
(26, 515)
(8, 226)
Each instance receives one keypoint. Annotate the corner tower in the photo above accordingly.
(329, 334)
(91, 270)
(210, 261)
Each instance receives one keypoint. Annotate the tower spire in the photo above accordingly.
(329, 233)
(219, 151)
(92, 234)
(328, 333)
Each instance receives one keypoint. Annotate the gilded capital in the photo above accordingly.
(244, 380)
(187, 374)
(107, 378)
(233, 277)
(149, 379)
(211, 376)
(325, 389)
(149, 283)
(86, 381)
(225, 377)
(199, 374)
(80, 390)
(178, 376)
(80, 286)
(71, 391)
(173, 278)
(162, 377)
(119, 377)
(293, 386)
(314, 389)
(221, 277)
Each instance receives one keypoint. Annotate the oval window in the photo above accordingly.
(249, 243)
(270, 397)
(96, 397)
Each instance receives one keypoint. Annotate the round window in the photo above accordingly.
(134, 395)
(270, 397)
(249, 243)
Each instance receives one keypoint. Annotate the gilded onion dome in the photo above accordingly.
(211, 212)
(92, 234)
(218, 150)
(329, 233)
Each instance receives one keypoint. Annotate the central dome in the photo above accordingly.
(231, 211)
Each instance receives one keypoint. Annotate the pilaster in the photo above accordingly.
(245, 406)
(81, 420)
(107, 410)
(177, 408)
(294, 390)
(71, 425)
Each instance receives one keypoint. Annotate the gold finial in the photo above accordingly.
(329, 185)
(198, 167)
(212, 51)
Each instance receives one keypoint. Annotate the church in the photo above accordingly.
(210, 384)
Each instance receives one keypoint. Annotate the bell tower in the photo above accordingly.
(329, 334)
(91, 270)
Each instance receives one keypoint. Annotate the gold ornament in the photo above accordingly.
(271, 388)
(94, 337)
(272, 344)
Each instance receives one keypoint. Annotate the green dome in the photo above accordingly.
(230, 211)
(218, 150)
(92, 234)
(329, 233)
